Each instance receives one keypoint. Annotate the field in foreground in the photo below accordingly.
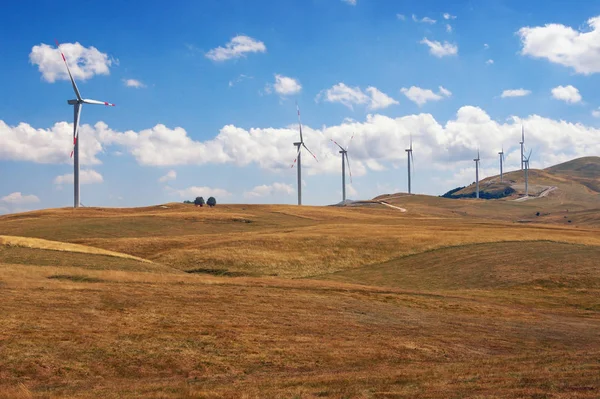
(291, 302)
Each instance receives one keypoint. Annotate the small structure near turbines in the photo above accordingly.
(77, 104)
(298, 158)
(409, 154)
(345, 160)
(477, 175)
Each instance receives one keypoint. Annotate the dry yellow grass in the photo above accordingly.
(37, 243)
(432, 322)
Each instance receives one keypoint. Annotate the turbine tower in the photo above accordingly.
(77, 104)
(477, 175)
(522, 142)
(501, 153)
(298, 158)
(409, 155)
(526, 164)
(345, 160)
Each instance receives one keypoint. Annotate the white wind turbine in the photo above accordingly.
(526, 166)
(502, 159)
(411, 160)
(477, 175)
(522, 142)
(77, 104)
(298, 158)
(345, 160)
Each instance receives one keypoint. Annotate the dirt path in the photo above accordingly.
(392, 206)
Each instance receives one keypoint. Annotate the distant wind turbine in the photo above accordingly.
(477, 175)
(345, 160)
(77, 104)
(502, 158)
(409, 154)
(522, 142)
(526, 164)
(298, 158)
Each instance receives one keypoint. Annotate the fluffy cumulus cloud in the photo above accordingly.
(568, 94)
(447, 16)
(237, 47)
(421, 96)
(84, 62)
(439, 49)
(284, 86)
(19, 199)
(372, 97)
(490, 62)
(50, 146)
(515, 93)
(379, 141)
(171, 175)
(596, 113)
(564, 45)
(194, 191)
(269, 190)
(351, 2)
(86, 176)
(136, 84)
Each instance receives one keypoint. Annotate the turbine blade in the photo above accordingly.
(410, 142)
(348, 163)
(88, 101)
(335, 142)
(299, 123)
(295, 159)
(69, 70)
(314, 156)
(412, 163)
(76, 127)
(350, 142)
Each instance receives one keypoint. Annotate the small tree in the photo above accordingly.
(211, 202)
(199, 201)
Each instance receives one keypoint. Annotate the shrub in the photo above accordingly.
(199, 201)
(211, 202)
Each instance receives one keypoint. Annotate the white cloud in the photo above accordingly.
(84, 62)
(351, 191)
(171, 175)
(445, 145)
(286, 86)
(425, 20)
(564, 45)
(568, 94)
(351, 2)
(133, 83)
(350, 96)
(515, 93)
(448, 16)
(440, 49)
(194, 191)
(49, 146)
(268, 190)
(239, 79)
(448, 28)
(401, 17)
(596, 113)
(490, 62)
(238, 47)
(421, 96)
(19, 199)
(86, 176)
(486, 46)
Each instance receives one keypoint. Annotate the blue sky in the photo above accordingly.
(207, 121)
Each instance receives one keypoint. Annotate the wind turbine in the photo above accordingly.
(502, 158)
(477, 175)
(526, 163)
(522, 142)
(345, 160)
(409, 155)
(298, 158)
(77, 104)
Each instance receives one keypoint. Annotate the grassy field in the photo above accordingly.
(451, 299)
